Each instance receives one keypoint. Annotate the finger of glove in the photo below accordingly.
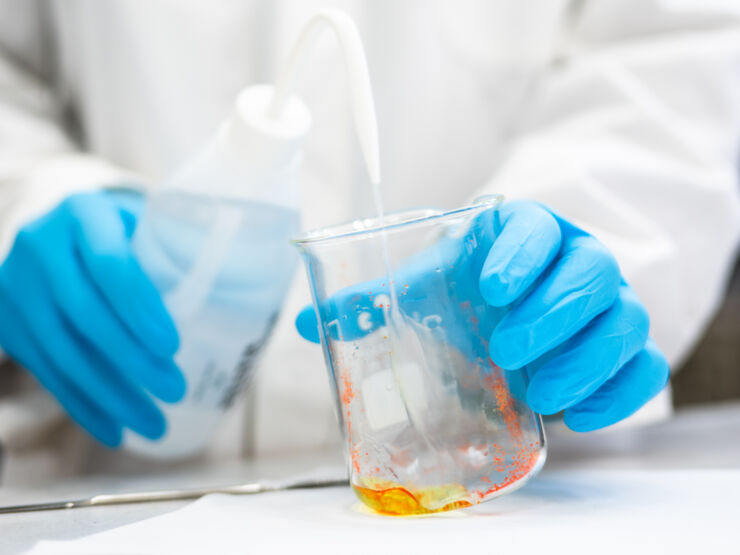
(582, 283)
(307, 324)
(348, 315)
(83, 306)
(638, 381)
(107, 257)
(592, 356)
(529, 240)
(71, 357)
(356, 311)
(19, 343)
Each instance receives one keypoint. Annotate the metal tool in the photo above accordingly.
(172, 495)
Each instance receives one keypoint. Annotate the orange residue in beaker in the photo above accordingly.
(347, 392)
(496, 384)
(521, 465)
(395, 500)
(390, 498)
(355, 458)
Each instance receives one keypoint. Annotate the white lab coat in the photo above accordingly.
(623, 116)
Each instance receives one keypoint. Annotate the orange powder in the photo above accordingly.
(347, 392)
(496, 384)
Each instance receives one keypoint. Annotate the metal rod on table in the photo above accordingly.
(172, 495)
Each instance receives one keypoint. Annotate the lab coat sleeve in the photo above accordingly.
(633, 135)
(39, 162)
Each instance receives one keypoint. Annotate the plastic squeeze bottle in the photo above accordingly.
(214, 239)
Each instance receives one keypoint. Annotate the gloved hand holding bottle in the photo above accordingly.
(79, 313)
(561, 312)
(118, 314)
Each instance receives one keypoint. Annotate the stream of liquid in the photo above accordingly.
(383, 496)
(387, 497)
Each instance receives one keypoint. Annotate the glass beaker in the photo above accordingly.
(430, 422)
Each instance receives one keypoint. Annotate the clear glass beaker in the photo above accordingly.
(430, 422)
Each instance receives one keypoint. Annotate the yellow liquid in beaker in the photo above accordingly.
(391, 499)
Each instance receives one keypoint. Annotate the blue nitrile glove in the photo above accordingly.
(560, 311)
(77, 311)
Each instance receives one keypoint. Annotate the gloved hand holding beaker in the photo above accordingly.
(567, 318)
(79, 313)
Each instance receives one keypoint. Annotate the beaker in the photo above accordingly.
(430, 422)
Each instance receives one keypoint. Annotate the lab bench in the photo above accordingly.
(697, 440)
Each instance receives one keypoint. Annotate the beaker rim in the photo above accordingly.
(392, 221)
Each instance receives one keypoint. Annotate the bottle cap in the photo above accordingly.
(260, 140)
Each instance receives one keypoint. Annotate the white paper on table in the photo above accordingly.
(565, 511)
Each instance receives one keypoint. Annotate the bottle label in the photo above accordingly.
(244, 369)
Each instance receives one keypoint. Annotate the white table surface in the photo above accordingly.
(694, 439)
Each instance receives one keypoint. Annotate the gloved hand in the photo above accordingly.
(77, 311)
(560, 312)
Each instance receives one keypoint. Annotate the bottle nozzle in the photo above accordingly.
(358, 77)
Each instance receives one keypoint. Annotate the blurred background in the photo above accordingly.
(622, 117)
(712, 371)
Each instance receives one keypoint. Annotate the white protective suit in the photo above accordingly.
(623, 116)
